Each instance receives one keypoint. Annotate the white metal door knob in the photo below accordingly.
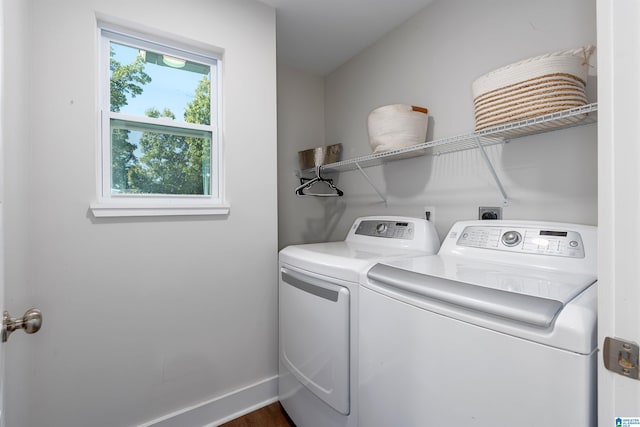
(31, 323)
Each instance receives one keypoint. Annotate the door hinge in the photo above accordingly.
(621, 357)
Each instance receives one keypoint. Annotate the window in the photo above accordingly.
(160, 150)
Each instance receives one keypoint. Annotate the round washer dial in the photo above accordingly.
(511, 238)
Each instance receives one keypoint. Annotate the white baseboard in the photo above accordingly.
(223, 408)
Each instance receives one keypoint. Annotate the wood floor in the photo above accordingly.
(269, 416)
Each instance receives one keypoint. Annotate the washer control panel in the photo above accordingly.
(564, 243)
(387, 229)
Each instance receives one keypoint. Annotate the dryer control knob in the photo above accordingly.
(511, 238)
(381, 228)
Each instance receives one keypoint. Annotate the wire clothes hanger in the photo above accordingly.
(307, 183)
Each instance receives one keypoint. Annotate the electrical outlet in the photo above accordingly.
(487, 212)
(430, 213)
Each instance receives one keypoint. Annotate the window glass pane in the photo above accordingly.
(143, 82)
(154, 159)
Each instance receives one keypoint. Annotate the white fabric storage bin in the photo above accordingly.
(397, 126)
(533, 87)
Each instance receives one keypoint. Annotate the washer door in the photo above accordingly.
(314, 335)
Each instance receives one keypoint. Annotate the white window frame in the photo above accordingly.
(118, 205)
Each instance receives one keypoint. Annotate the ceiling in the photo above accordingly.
(317, 36)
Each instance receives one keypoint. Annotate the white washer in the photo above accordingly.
(318, 313)
(497, 329)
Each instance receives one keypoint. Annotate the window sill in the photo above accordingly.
(110, 210)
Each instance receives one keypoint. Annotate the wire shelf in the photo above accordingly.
(578, 116)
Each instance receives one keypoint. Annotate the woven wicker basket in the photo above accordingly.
(533, 87)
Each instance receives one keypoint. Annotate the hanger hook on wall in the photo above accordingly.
(306, 183)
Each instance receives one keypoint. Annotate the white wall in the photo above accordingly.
(431, 61)
(300, 127)
(16, 206)
(142, 317)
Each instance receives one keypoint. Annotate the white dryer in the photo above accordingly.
(497, 329)
(318, 313)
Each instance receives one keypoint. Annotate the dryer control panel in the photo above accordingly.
(388, 229)
(556, 242)
(405, 233)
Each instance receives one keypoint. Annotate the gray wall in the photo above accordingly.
(431, 61)
(142, 317)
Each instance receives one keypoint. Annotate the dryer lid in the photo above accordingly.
(341, 260)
